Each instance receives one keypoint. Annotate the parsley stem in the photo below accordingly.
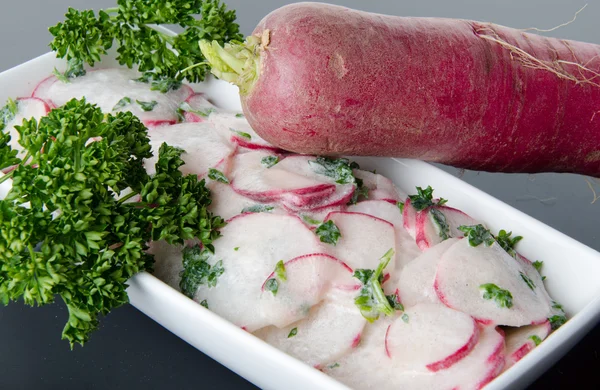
(111, 10)
(126, 197)
(6, 176)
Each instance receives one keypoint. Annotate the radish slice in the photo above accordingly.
(520, 341)
(431, 337)
(237, 129)
(27, 108)
(338, 199)
(253, 179)
(197, 108)
(227, 203)
(364, 239)
(407, 249)
(332, 329)
(409, 215)
(380, 187)
(204, 147)
(463, 269)
(416, 280)
(428, 228)
(250, 247)
(106, 88)
(306, 280)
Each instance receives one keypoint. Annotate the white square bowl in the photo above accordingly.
(571, 267)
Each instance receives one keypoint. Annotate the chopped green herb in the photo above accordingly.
(527, 280)
(440, 220)
(163, 85)
(394, 301)
(269, 161)
(507, 242)
(204, 303)
(147, 106)
(334, 365)
(557, 306)
(400, 206)
(216, 175)
(241, 133)
(538, 265)
(310, 221)
(293, 332)
(338, 169)
(237, 248)
(197, 270)
(536, 339)
(280, 271)
(359, 191)
(239, 115)
(503, 298)
(257, 208)
(131, 29)
(371, 300)
(185, 107)
(477, 235)
(405, 317)
(272, 285)
(557, 321)
(8, 112)
(424, 199)
(122, 103)
(328, 232)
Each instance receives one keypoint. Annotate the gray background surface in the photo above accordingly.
(131, 351)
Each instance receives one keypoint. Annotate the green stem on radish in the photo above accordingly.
(235, 62)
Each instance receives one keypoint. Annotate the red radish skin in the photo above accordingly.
(347, 82)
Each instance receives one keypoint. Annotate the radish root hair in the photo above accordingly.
(556, 27)
(530, 61)
(596, 197)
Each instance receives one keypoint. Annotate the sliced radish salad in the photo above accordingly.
(326, 261)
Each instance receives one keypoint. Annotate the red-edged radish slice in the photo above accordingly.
(251, 178)
(196, 108)
(520, 341)
(407, 250)
(204, 147)
(107, 87)
(464, 269)
(364, 239)
(249, 248)
(433, 337)
(330, 331)
(237, 129)
(416, 280)
(227, 203)
(306, 280)
(436, 223)
(27, 108)
(380, 187)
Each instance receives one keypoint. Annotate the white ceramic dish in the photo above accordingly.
(570, 266)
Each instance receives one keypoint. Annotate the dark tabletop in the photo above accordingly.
(131, 351)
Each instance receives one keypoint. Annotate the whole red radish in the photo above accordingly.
(323, 79)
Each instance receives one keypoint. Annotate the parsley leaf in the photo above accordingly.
(78, 241)
(337, 169)
(8, 112)
(244, 135)
(204, 303)
(215, 174)
(74, 69)
(538, 265)
(507, 242)
(269, 161)
(371, 300)
(556, 321)
(424, 199)
(165, 59)
(280, 271)
(257, 208)
(527, 280)
(122, 103)
(293, 332)
(400, 206)
(536, 339)
(440, 220)
(147, 106)
(272, 285)
(328, 232)
(477, 235)
(185, 107)
(503, 298)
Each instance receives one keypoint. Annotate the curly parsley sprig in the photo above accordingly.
(68, 229)
(84, 37)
